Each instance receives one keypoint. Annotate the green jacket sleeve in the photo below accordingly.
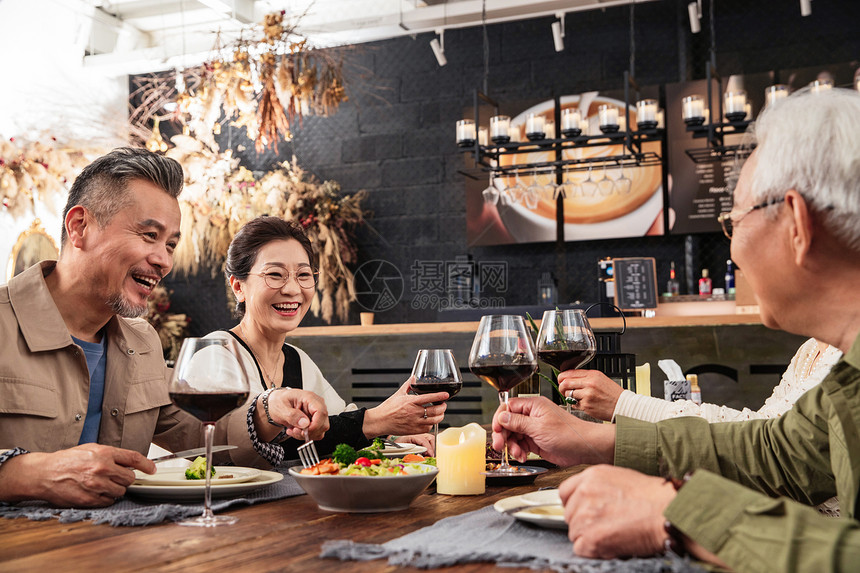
(753, 532)
(787, 456)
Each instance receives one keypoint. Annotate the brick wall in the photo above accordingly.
(395, 137)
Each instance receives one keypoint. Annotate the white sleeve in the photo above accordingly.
(652, 409)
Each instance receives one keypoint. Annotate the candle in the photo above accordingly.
(643, 379)
(819, 86)
(583, 126)
(500, 128)
(607, 116)
(735, 102)
(461, 455)
(549, 129)
(622, 123)
(661, 119)
(570, 119)
(535, 126)
(483, 136)
(693, 108)
(774, 93)
(646, 111)
(465, 132)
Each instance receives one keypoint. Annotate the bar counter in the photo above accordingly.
(282, 535)
(738, 359)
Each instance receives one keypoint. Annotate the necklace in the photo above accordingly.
(270, 378)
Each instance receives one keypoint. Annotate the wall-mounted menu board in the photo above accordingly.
(635, 283)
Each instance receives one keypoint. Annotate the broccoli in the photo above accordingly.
(344, 454)
(377, 444)
(198, 469)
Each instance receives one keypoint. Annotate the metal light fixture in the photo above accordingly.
(558, 32)
(695, 11)
(438, 46)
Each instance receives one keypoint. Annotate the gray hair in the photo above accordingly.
(810, 142)
(102, 187)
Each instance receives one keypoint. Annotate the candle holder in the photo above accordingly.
(608, 118)
(500, 129)
(570, 122)
(774, 93)
(535, 130)
(646, 114)
(466, 133)
(693, 109)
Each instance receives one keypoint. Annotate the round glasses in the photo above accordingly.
(305, 278)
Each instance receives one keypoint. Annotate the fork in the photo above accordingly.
(308, 452)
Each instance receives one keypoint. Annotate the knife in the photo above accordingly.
(189, 453)
(520, 508)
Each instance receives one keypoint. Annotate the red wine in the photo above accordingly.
(565, 359)
(208, 407)
(503, 377)
(436, 385)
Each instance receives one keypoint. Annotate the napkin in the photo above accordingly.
(502, 540)
(130, 511)
(671, 369)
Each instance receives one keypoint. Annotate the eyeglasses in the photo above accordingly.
(305, 278)
(728, 221)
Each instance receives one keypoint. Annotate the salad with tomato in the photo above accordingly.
(370, 462)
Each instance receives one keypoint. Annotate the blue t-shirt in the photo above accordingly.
(96, 359)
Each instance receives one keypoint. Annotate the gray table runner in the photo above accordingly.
(487, 535)
(129, 510)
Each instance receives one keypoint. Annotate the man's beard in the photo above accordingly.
(125, 309)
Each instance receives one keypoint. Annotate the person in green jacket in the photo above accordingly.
(745, 497)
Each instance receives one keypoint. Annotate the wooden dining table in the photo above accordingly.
(281, 535)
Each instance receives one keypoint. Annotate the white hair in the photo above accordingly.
(810, 142)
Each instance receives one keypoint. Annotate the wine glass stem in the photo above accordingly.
(208, 434)
(503, 398)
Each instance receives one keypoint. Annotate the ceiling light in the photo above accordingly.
(438, 45)
(558, 32)
(805, 7)
(218, 5)
(695, 10)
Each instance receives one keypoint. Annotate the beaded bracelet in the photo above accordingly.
(9, 454)
(280, 437)
(674, 541)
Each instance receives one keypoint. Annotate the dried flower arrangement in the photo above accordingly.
(220, 196)
(171, 328)
(35, 172)
(262, 82)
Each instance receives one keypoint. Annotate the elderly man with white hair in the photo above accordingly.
(741, 492)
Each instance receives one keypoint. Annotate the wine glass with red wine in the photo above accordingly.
(435, 370)
(503, 355)
(565, 340)
(209, 381)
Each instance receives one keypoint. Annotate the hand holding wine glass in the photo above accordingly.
(565, 340)
(208, 382)
(503, 355)
(436, 370)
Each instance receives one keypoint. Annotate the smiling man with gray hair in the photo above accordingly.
(746, 500)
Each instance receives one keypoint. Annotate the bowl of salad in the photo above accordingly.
(366, 481)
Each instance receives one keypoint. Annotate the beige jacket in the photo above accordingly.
(44, 382)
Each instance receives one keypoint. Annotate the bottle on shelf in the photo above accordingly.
(695, 391)
(673, 287)
(705, 284)
(730, 278)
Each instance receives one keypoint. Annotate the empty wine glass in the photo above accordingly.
(518, 190)
(565, 340)
(605, 185)
(623, 184)
(503, 355)
(570, 188)
(533, 192)
(589, 186)
(435, 370)
(208, 381)
(491, 193)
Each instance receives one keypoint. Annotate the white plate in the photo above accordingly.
(195, 492)
(542, 497)
(551, 517)
(390, 452)
(176, 476)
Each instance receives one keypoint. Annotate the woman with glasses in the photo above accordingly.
(270, 267)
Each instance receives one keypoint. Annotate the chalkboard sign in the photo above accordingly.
(635, 283)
